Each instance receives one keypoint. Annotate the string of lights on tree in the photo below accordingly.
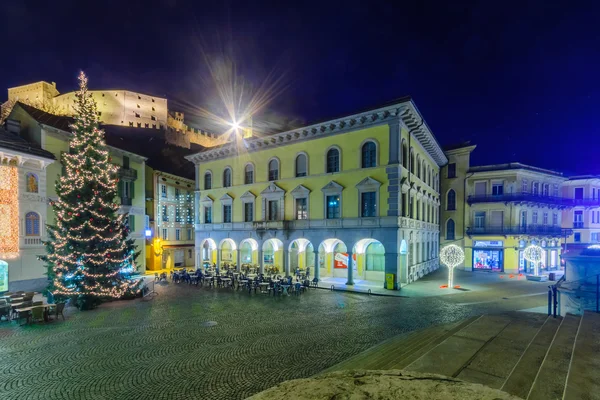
(89, 252)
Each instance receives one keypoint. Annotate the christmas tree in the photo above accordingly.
(89, 253)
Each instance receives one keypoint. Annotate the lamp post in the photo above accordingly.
(533, 253)
(452, 256)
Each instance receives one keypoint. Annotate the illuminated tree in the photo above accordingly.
(89, 254)
(452, 256)
(533, 253)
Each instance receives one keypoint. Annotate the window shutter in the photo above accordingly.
(132, 189)
(120, 188)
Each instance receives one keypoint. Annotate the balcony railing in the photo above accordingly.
(594, 202)
(126, 201)
(517, 230)
(262, 225)
(521, 197)
(127, 174)
(578, 224)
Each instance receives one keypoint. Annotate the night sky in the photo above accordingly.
(520, 80)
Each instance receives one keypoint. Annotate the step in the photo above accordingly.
(521, 378)
(392, 353)
(495, 361)
(582, 381)
(449, 357)
(550, 381)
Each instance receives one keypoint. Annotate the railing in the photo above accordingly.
(126, 201)
(261, 225)
(587, 202)
(128, 174)
(578, 224)
(586, 291)
(32, 241)
(520, 197)
(517, 230)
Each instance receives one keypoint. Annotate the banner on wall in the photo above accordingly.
(3, 276)
(340, 261)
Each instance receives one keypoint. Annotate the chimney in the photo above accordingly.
(13, 126)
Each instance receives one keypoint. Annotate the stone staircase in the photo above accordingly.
(527, 355)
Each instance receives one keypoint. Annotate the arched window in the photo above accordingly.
(32, 224)
(333, 160)
(273, 170)
(207, 181)
(412, 161)
(369, 155)
(418, 166)
(32, 183)
(450, 229)
(546, 189)
(404, 154)
(451, 200)
(249, 174)
(301, 165)
(227, 177)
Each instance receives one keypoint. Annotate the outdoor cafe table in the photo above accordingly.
(45, 306)
(226, 280)
(263, 287)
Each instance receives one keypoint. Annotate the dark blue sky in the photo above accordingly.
(519, 79)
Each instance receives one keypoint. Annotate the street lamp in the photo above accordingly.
(533, 253)
(452, 256)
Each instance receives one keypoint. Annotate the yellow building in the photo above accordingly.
(584, 217)
(495, 211)
(338, 195)
(52, 133)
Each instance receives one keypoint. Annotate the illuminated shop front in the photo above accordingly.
(488, 255)
(550, 256)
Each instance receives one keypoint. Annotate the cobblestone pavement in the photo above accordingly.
(200, 343)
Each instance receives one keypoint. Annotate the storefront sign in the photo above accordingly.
(3, 276)
(340, 261)
(488, 243)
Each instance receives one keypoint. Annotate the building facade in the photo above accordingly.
(52, 133)
(170, 227)
(23, 210)
(495, 211)
(354, 198)
(584, 217)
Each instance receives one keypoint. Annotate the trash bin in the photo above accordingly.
(389, 281)
(552, 276)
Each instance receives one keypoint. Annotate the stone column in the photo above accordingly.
(218, 258)
(238, 267)
(260, 260)
(317, 268)
(286, 264)
(350, 270)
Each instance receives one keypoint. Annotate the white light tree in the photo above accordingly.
(533, 253)
(452, 256)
